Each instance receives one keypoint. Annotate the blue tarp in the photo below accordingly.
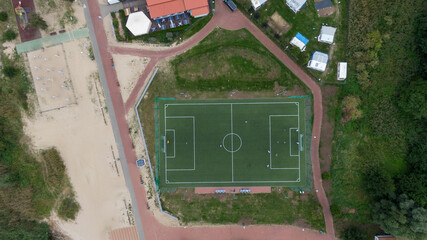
(303, 39)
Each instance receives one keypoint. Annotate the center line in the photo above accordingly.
(232, 149)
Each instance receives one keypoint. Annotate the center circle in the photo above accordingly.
(232, 142)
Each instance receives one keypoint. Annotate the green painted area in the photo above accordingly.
(51, 40)
(242, 142)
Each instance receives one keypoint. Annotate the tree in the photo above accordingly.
(377, 182)
(413, 98)
(335, 210)
(353, 233)
(401, 217)
(10, 71)
(3, 16)
(326, 176)
(36, 21)
(9, 35)
(414, 182)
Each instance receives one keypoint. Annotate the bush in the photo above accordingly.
(68, 208)
(115, 23)
(3, 16)
(326, 176)
(36, 21)
(353, 233)
(113, 14)
(10, 71)
(335, 210)
(9, 35)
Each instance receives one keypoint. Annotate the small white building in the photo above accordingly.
(138, 24)
(296, 5)
(327, 34)
(299, 41)
(318, 61)
(342, 71)
(257, 4)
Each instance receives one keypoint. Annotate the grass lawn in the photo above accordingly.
(231, 60)
(308, 23)
(274, 208)
(242, 142)
(174, 82)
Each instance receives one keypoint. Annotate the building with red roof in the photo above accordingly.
(166, 8)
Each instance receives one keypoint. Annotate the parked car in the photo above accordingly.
(231, 4)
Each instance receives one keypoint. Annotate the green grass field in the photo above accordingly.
(251, 142)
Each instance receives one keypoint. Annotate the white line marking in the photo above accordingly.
(232, 141)
(194, 145)
(252, 103)
(174, 146)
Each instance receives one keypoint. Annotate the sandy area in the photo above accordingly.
(145, 171)
(54, 15)
(9, 48)
(52, 81)
(83, 135)
(129, 69)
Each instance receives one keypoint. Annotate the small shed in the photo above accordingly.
(296, 5)
(257, 4)
(327, 34)
(322, 4)
(138, 23)
(318, 61)
(342, 71)
(299, 41)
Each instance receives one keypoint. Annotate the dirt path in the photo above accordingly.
(152, 228)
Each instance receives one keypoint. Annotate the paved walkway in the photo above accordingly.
(152, 229)
(51, 40)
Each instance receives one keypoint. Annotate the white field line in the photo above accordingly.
(232, 142)
(174, 146)
(194, 146)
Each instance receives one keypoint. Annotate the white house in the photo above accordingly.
(318, 61)
(342, 71)
(327, 34)
(299, 41)
(257, 4)
(296, 5)
(138, 23)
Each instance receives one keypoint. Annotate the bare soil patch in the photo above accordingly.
(326, 12)
(278, 24)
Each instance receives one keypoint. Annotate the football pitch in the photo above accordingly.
(243, 142)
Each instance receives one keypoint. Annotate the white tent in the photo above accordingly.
(138, 23)
(299, 41)
(342, 71)
(295, 5)
(327, 34)
(318, 61)
(257, 4)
